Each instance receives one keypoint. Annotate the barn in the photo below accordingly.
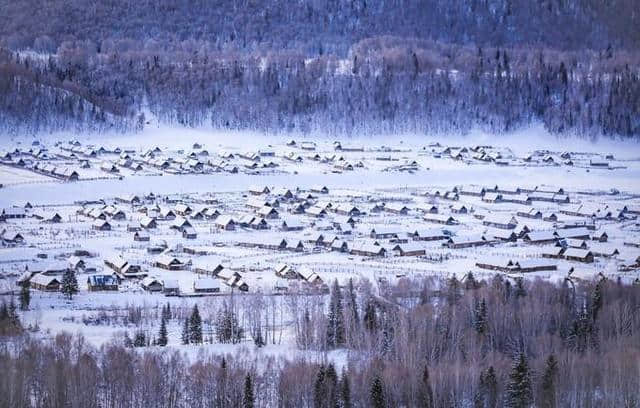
(151, 284)
(169, 263)
(102, 283)
(148, 222)
(206, 285)
(409, 249)
(101, 225)
(579, 255)
(44, 283)
(466, 241)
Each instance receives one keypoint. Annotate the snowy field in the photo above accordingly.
(249, 221)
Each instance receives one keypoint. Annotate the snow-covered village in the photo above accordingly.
(122, 244)
(319, 204)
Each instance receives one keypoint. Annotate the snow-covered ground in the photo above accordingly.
(366, 173)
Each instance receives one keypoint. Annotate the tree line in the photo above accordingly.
(385, 85)
(322, 26)
(427, 343)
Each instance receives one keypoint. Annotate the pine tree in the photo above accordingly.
(370, 320)
(426, 392)
(162, 334)
(480, 395)
(258, 340)
(166, 312)
(491, 387)
(335, 320)
(453, 291)
(69, 284)
(377, 393)
(248, 399)
(318, 388)
(519, 389)
(353, 315)
(471, 283)
(548, 387)
(25, 297)
(507, 291)
(195, 326)
(331, 386)
(481, 323)
(345, 391)
(140, 339)
(388, 333)
(185, 332)
(596, 300)
(127, 340)
(227, 328)
(353, 303)
(13, 314)
(520, 289)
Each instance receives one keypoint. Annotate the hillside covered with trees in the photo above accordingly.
(334, 67)
(427, 343)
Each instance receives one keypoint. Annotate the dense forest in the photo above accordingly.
(424, 343)
(332, 66)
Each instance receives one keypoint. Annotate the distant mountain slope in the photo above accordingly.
(332, 66)
(319, 26)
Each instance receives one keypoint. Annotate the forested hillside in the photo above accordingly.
(318, 26)
(327, 66)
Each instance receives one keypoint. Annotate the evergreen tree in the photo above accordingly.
(548, 386)
(185, 332)
(507, 291)
(377, 393)
(481, 323)
(25, 297)
(227, 328)
(519, 390)
(331, 387)
(520, 289)
(353, 304)
(9, 319)
(318, 388)
(127, 340)
(491, 387)
(305, 337)
(248, 399)
(471, 283)
(345, 391)
(353, 318)
(325, 389)
(370, 319)
(335, 319)
(195, 326)
(166, 312)
(426, 392)
(14, 319)
(69, 284)
(596, 299)
(162, 334)
(388, 333)
(140, 339)
(453, 291)
(258, 340)
(481, 391)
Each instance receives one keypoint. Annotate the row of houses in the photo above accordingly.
(570, 254)
(517, 266)
(63, 173)
(95, 283)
